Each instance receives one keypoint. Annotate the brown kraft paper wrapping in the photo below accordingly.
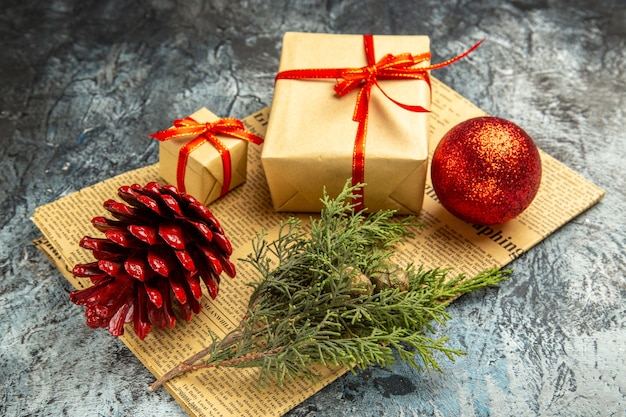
(204, 174)
(310, 136)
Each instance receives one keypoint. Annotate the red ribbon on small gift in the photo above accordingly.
(389, 67)
(205, 132)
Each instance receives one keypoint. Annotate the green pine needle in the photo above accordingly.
(306, 308)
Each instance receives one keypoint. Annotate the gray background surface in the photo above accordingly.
(83, 82)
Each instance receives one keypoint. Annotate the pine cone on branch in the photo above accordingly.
(156, 252)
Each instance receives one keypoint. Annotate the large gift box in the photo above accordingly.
(203, 155)
(312, 141)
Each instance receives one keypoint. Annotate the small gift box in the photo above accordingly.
(319, 138)
(203, 155)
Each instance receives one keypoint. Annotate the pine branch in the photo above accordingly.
(332, 296)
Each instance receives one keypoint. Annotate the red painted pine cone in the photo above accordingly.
(161, 244)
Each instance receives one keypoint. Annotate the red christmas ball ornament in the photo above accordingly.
(486, 170)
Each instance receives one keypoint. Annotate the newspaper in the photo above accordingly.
(445, 242)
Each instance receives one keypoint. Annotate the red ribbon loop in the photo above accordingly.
(389, 67)
(202, 133)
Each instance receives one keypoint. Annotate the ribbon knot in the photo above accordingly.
(201, 133)
(388, 67)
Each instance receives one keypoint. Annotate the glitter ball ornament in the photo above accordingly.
(486, 170)
(154, 255)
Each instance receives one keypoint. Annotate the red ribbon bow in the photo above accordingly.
(205, 132)
(389, 67)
